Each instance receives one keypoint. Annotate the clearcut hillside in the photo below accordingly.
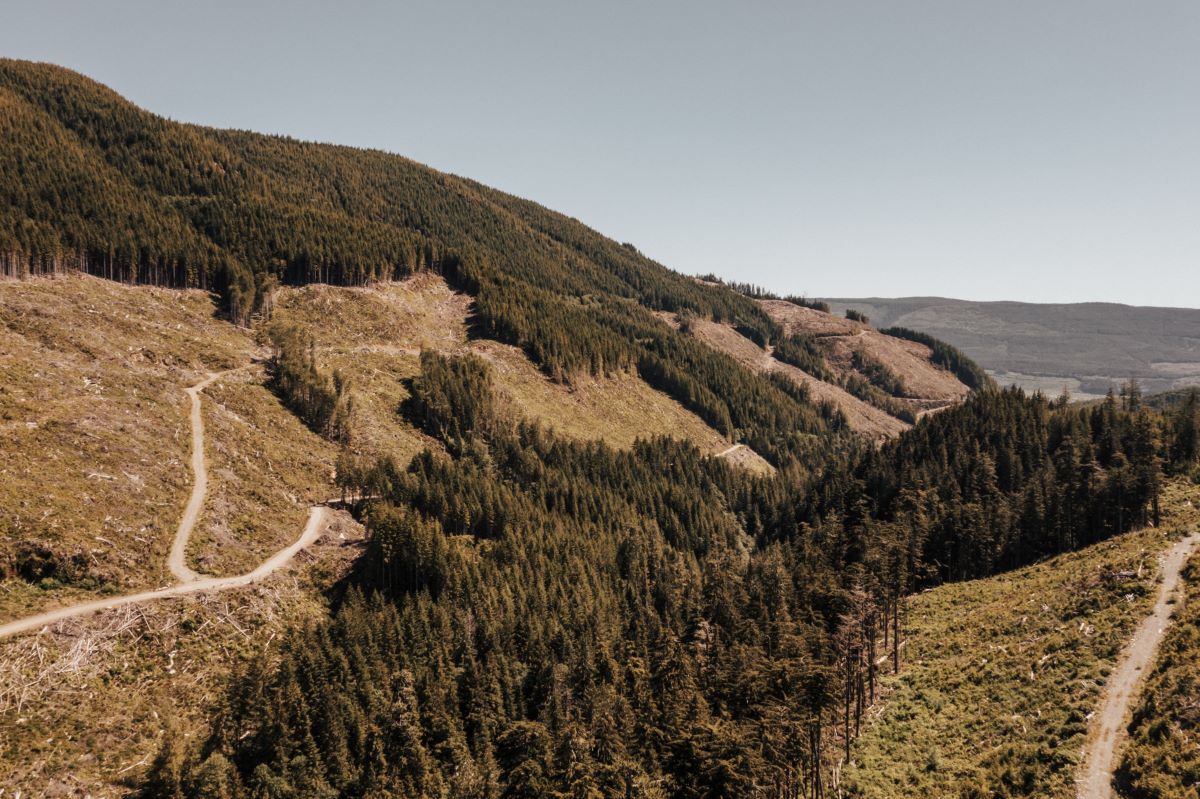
(89, 181)
(330, 475)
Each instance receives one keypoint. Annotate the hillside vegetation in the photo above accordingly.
(561, 589)
(122, 193)
(919, 373)
(536, 615)
(859, 415)
(880, 381)
(1161, 760)
(375, 336)
(84, 707)
(95, 440)
(1004, 672)
(94, 414)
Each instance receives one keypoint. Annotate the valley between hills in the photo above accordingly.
(325, 474)
(375, 336)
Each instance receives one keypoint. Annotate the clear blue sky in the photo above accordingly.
(1032, 150)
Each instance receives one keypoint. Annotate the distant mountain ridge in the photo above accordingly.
(1085, 347)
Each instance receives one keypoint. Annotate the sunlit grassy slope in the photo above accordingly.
(375, 336)
(1162, 758)
(95, 441)
(1002, 673)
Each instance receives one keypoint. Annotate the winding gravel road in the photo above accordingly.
(190, 581)
(1108, 725)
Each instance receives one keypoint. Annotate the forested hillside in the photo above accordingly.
(538, 617)
(92, 182)
(534, 611)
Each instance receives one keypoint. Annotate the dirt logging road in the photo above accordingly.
(189, 581)
(1108, 724)
(312, 531)
(177, 560)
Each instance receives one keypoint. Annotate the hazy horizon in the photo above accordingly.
(898, 297)
(976, 151)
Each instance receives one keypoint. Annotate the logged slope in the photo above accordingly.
(859, 415)
(880, 381)
(84, 704)
(842, 339)
(120, 192)
(95, 441)
(375, 336)
(1086, 347)
(194, 584)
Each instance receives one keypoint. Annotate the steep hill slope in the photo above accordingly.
(88, 180)
(860, 416)
(375, 336)
(845, 342)
(880, 384)
(96, 443)
(1086, 347)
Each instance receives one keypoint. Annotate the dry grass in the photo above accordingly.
(397, 318)
(724, 338)
(94, 434)
(909, 360)
(94, 444)
(378, 381)
(83, 706)
(95, 440)
(1161, 758)
(927, 387)
(619, 409)
(375, 336)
